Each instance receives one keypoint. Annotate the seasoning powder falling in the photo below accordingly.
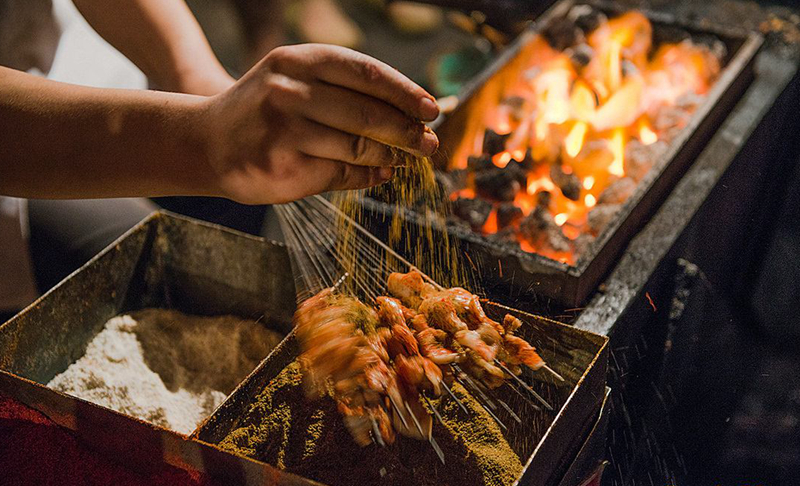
(308, 438)
(165, 367)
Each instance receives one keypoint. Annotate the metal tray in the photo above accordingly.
(513, 270)
(198, 268)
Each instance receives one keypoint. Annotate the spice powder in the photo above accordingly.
(309, 438)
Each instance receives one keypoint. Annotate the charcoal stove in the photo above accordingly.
(508, 269)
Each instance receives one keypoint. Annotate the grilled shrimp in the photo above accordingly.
(409, 287)
(520, 352)
(472, 340)
(431, 346)
(390, 312)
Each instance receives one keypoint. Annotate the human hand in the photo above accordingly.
(313, 118)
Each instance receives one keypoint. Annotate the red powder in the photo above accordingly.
(34, 450)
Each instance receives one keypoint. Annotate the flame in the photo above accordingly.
(582, 117)
(617, 166)
(574, 141)
(542, 183)
(502, 159)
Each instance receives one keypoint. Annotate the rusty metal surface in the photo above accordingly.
(512, 270)
(545, 441)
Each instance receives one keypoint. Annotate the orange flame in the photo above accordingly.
(617, 167)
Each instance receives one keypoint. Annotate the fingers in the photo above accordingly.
(330, 143)
(361, 115)
(333, 175)
(361, 73)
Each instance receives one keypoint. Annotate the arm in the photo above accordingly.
(305, 120)
(163, 39)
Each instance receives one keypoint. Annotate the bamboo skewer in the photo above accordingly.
(524, 385)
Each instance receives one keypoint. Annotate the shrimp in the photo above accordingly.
(409, 287)
(402, 342)
(441, 313)
(390, 312)
(472, 340)
(511, 324)
(520, 352)
(430, 345)
(419, 322)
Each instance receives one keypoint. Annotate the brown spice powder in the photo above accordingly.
(309, 438)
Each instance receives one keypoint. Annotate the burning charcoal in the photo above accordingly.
(472, 211)
(561, 35)
(493, 143)
(541, 231)
(477, 163)
(519, 172)
(516, 105)
(669, 117)
(688, 101)
(581, 243)
(618, 192)
(716, 46)
(508, 214)
(506, 235)
(569, 184)
(629, 68)
(667, 34)
(601, 215)
(452, 181)
(543, 199)
(586, 17)
(580, 55)
(497, 184)
(527, 163)
(639, 158)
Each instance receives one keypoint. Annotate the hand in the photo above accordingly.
(313, 118)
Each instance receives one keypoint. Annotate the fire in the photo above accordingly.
(567, 126)
(617, 167)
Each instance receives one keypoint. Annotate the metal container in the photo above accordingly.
(174, 262)
(511, 270)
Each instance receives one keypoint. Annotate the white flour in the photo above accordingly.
(166, 367)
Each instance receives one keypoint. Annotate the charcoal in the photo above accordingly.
(670, 117)
(639, 158)
(472, 211)
(506, 236)
(477, 163)
(494, 143)
(541, 231)
(543, 199)
(517, 106)
(667, 34)
(527, 163)
(587, 18)
(618, 192)
(580, 55)
(713, 44)
(601, 215)
(508, 214)
(452, 181)
(628, 68)
(497, 184)
(581, 243)
(519, 172)
(563, 34)
(569, 184)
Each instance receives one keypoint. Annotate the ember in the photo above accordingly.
(583, 125)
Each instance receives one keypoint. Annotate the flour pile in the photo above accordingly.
(165, 367)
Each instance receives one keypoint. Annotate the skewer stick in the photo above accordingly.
(488, 410)
(524, 385)
(435, 412)
(553, 372)
(414, 418)
(376, 432)
(524, 396)
(454, 397)
(474, 386)
(436, 448)
(510, 412)
(399, 411)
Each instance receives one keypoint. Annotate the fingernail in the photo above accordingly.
(430, 142)
(385, 173)
(429, 109)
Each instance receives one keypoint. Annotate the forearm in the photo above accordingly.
(163, 39)
(65, 141)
